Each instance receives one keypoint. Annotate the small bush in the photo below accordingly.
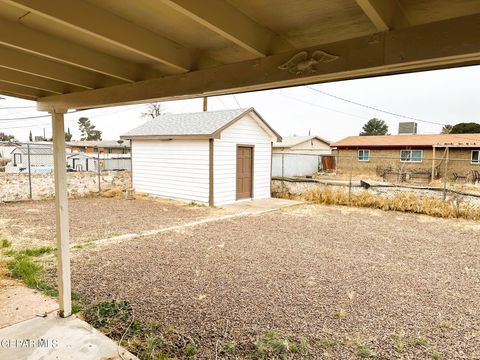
(5, 243)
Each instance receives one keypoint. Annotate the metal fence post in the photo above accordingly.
(445, 178)
(350, 181)
(29, 171)
(98, 165)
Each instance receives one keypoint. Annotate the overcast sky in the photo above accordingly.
(443, 96)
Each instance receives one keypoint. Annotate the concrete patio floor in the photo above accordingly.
(259, 205)
(52, 337)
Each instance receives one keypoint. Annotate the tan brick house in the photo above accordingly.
(422, 155)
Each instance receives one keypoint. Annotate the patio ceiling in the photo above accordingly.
(84, 54)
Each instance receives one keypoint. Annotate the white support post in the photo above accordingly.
(61, 215)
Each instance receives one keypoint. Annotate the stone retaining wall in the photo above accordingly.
(14, 187)
(298, 188)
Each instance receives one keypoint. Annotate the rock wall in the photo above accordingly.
(15, 187)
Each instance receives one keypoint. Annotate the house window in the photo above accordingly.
(363, 155)
(414, 156)
(475, 157)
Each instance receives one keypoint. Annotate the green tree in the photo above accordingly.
(30, 136)
(87, 130)
(466, 128)
(68, 135)
(6, 137)
(374, 127)
(447, 129)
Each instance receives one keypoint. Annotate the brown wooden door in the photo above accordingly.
(244, 172)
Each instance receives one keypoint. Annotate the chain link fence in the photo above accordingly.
(26, 172)
(454, 173)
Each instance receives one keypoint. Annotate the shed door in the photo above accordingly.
(244, 172)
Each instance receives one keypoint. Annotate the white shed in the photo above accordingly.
(215, 157)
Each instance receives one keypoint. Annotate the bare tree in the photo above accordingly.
(153, 110)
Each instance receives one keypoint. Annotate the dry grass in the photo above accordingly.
(406, 202)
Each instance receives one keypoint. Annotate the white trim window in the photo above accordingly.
(411, 156)
(475, 158)
(363, 155)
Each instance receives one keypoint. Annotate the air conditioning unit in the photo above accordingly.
(407, 128)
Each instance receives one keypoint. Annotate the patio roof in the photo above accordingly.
(85, 54)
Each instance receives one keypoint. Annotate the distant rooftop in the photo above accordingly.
(289, 141)
(457, 140)
(101, 143)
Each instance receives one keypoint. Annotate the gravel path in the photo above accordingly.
(32, 223)
(402, 285)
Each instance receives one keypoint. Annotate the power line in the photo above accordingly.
(236, 101)
(374, 108)
(17, 107)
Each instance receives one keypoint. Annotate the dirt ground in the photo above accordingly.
(400, 285)
(32, 223)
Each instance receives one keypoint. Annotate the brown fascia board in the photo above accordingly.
(217, 132)
(382, 147)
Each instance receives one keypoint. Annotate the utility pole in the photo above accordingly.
(204, 103)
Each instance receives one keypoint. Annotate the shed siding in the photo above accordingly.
(176, 168)
(245, 131)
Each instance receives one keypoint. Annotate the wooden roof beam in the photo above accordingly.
(21, 37)
(36, 82)
(423, 47)
(94, 21)
(227, 21)
(384, 14)
(35, 65)
(21, 91)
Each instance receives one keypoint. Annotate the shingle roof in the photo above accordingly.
(457, 140)
(201, 123)
(34, 150)
(289, 141)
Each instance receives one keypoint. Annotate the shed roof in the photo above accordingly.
(200, 124)
(289, 141)
(457, 140)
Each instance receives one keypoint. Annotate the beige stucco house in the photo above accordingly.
(370, 155)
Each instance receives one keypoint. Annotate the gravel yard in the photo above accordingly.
(351, 282)
(32, 223)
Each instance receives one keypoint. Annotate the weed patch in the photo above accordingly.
(405, 202)
(5, 243)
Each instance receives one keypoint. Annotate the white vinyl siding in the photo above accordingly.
(175, 168)
(245, 131)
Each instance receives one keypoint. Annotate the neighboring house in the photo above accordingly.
(104, 147)
(39, 155)
(215, 157)
(302, 145)
(299, 155)
(89, 162)
(415, 153)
